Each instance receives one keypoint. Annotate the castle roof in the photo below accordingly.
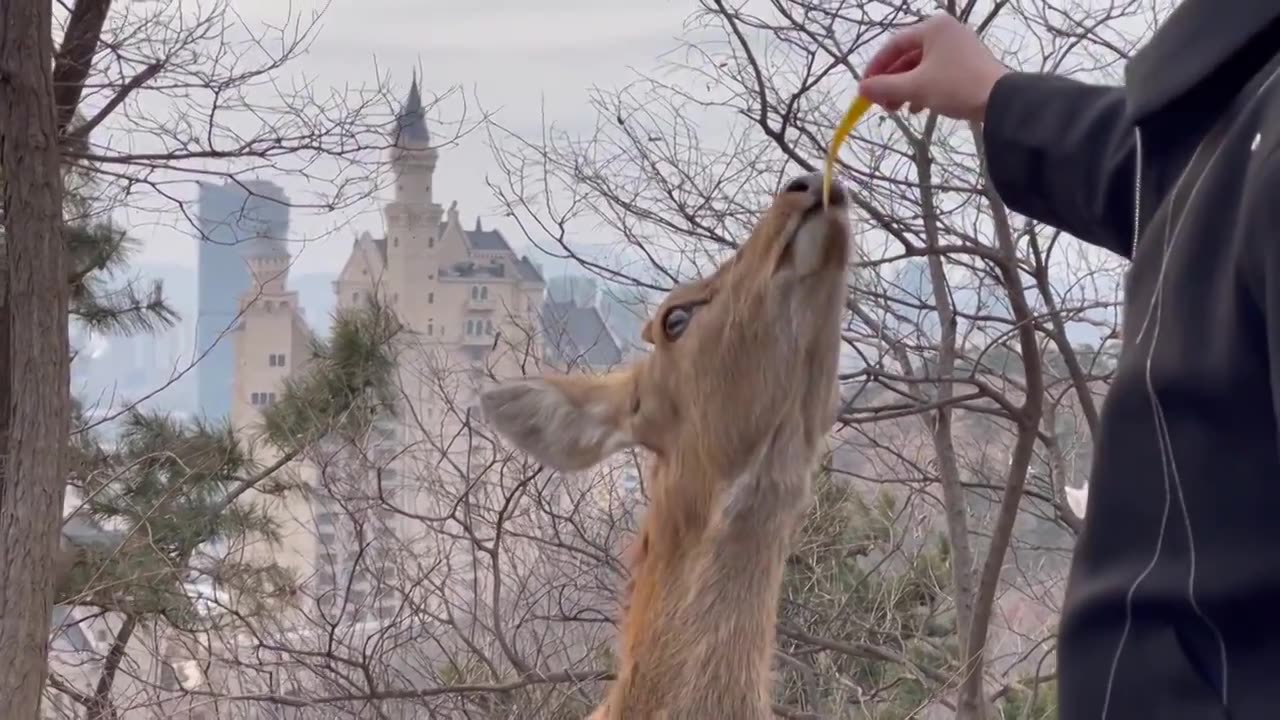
(489, 240)
(528, 271)
(484, 241)
(411, 124)
(481, 239)
(577, 334)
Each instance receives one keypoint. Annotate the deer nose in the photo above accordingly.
(811, 184)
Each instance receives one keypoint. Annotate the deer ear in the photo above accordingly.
(569, 422)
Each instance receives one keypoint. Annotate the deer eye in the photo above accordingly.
(676, 321)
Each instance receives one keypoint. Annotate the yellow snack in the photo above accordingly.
(856, 111)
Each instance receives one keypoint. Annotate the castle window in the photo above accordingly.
(431, 298)
(488, 326)
(475, 293)
(355, 297)
(262, 399)
(395, 242)
(276, 360)
(431, 241)
(431, 328)
(269, 305)
(471, 327)
(484, 292)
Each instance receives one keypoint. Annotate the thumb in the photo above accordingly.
(892, 91)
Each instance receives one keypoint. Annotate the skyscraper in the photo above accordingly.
(233, 219)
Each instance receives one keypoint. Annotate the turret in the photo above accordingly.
(413, 160)
(412, 219)
(268, 262)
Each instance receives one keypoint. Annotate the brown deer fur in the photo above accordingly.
(733, 410)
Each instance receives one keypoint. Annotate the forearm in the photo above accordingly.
(1062, 152)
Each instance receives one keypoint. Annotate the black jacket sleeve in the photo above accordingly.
(1062, 152)
(1260, 215)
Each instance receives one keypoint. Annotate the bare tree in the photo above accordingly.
(977, 343)
(145, 98)
(478, 586)
(453, 577)
(456, 578)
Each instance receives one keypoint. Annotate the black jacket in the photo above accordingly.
(1173, 604)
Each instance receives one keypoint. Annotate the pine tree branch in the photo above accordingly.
(248, 484)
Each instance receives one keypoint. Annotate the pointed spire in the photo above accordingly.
(411, 125)
(478, 228)
(414, 103)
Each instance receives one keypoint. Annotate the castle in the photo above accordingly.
(472, 309)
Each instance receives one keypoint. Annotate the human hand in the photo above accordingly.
(938, 64)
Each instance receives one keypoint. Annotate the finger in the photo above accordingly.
(903, 44)
(910, 61)
(904, 63)
(891, 91)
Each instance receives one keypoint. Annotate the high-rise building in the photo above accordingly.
(232, 218)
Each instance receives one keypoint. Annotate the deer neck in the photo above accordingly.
(698, 632)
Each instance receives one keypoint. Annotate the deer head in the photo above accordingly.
(732, 403)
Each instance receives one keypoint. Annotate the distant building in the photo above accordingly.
(625, 310)
(232, 218)
(577, 311)
(572, 289)
(472, 308)
(575, 335)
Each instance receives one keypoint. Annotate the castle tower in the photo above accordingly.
(229, 216)
(271, 340)
(412, 218)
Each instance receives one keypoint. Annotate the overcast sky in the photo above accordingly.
(513, 54)
(519, 57)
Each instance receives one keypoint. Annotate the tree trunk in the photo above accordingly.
(954, 502)
(34, 386)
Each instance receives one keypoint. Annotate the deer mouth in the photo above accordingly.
(820, 238)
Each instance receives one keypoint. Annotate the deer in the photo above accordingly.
(731, 404)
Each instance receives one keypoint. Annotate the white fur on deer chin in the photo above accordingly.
(809, 245)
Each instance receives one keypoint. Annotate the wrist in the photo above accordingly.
(987, 85)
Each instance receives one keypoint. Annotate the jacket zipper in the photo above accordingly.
(1137, 193)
